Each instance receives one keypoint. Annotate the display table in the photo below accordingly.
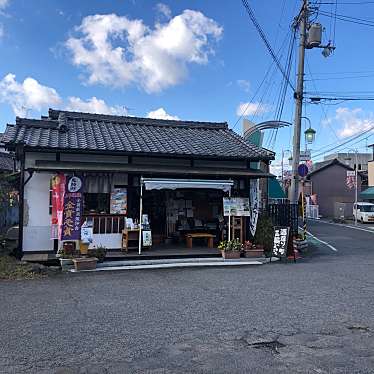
(190, 237)
(130, 239)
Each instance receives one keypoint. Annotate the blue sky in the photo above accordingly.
(192, 60)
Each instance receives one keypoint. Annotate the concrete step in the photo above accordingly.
(169, 264)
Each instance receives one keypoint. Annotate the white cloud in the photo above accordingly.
(28, 95)
(4, 4)
(94, 105)
(117, 51)
(276, 166)
(161, 113)
(164, 9)
(243, 84)
(248, 109)
(1, 30)
(351, 121)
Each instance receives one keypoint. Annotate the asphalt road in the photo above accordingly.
(316, 316)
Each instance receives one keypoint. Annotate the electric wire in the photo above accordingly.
(265, 40)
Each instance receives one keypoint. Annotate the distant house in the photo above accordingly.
(329, 184)
(6, 159)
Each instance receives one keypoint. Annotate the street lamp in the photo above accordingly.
(310, 135)
(356, 180)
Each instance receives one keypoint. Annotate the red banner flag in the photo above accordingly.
(58, 192)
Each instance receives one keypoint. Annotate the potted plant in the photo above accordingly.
(230, 249)
(300, 243)
(99, 252)
(65, 255)
(252, 250)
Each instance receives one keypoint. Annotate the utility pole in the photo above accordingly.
(302, 20)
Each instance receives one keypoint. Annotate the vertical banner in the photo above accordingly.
(58, 192)
(73, 207)
(254, 188)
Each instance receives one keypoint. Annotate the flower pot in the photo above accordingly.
(85, 263)
(228, 255)
(66, 264)
(254, 253)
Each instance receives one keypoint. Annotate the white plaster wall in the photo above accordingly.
(37, 229)
(31, 157)
(110, 241)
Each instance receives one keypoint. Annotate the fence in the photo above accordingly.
(284, 214)
(312, 211)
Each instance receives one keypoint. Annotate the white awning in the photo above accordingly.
(173, 184)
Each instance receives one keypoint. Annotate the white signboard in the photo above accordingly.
(147, 238)
(236, 206)
(305, 155)
(351, 173)
(280, 241)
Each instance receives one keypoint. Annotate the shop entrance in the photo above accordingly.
(183, 213)
(176, 216)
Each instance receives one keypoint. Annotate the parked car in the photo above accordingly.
(364, 212)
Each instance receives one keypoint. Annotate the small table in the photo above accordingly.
(210, 238)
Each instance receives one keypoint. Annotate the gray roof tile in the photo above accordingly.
(95, 132)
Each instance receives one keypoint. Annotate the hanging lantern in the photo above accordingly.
(310, 135)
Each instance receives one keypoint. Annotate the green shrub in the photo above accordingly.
(264, 233)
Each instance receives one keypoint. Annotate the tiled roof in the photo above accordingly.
(95, 132)
(6, 162)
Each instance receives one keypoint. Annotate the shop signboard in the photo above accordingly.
(236, 206)
(118, 201)
(73, 207)
(58, 192)
(351, 179)
(305, 155)
(254, 207)
(87, 231)
(280, 243)
(147, 238)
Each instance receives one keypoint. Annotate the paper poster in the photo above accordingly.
(118, 201)
(236, 206)
(147, 238)
(87, 231)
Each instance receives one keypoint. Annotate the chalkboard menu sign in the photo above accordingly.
(280, 241)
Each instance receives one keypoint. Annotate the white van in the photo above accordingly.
(364, 212)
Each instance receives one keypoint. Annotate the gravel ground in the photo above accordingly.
(316, 316)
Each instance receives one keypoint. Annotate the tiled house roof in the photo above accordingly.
(6, 162)
(64, 130)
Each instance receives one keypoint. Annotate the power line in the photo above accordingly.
(338, 78)
(322, 108)
(280, 53)
(345, 3)
(346, 142)
(265, 40)
(341, 17)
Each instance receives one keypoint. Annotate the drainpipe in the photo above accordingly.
(21, 156)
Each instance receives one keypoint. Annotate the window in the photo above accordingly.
(96, 203)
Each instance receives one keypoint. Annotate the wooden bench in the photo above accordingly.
(199, 235)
